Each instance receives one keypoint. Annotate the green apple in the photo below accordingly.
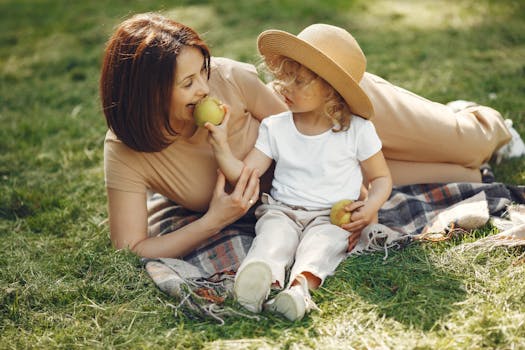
(208, 110)
(338, 215)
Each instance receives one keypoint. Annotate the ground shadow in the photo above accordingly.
(407, 287)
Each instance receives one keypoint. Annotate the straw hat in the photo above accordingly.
(331, 52)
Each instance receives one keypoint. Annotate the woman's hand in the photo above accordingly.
(228, 207)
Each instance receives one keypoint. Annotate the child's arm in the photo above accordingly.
(380, 187)
(228, 163)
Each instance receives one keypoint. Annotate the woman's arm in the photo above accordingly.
(128, 219)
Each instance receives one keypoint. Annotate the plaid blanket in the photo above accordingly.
(222, 252)
(201, 281)
(410, 208)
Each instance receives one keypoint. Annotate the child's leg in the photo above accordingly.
(295, 301)
(270, 254)
(313, 282)
(322, 248)
(275, 243)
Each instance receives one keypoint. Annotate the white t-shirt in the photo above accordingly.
(316, 171)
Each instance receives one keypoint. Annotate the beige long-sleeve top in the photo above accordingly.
(186, 171)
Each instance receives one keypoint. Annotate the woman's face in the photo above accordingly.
(190, 86)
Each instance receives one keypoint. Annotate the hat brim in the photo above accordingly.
(273, 43)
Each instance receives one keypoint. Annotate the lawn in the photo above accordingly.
(62, 285)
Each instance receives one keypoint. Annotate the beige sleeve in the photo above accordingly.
(261, 101)
(122, 169)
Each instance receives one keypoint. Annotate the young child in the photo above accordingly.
(322, 147)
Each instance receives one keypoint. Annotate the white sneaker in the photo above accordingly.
(515, 147)
(252, 285)
(293, 302)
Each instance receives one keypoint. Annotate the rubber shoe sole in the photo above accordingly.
(252, 286)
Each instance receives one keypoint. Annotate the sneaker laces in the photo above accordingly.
(303, 285)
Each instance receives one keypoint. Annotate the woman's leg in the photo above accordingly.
(409, 173)
(415, 129)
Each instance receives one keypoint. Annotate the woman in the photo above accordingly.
(154, 72)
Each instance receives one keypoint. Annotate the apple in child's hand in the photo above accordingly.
(338, 215)
(208, 109)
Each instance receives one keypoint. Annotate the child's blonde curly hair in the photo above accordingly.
(335, 107)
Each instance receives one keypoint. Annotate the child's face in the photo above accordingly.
(302, 90)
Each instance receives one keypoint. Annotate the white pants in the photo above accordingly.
(287, 236)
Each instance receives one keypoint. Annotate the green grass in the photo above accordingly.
(63, 286)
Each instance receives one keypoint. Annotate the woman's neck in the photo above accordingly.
(184, 128)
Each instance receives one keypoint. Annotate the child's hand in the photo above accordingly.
(362, 216)
(218, 134)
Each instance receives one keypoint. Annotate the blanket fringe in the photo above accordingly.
(202, 298)
(448, 233)
(510, 238)
(378, 237)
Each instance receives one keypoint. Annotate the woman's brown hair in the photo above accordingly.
(137, 78)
